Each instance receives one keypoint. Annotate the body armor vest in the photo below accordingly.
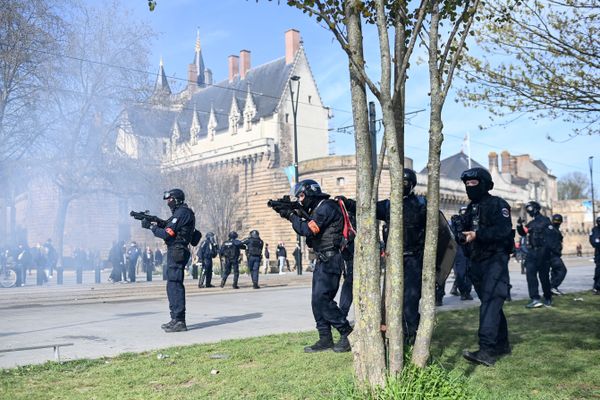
(331, 236)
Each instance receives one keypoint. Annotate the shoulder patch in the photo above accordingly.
(174, 220)
(550, 227)
(505, 212)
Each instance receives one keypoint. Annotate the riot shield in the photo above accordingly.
(446, 251)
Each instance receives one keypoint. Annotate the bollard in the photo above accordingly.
(79, 272)
(97, 275)
(149, 270)
(59, 275)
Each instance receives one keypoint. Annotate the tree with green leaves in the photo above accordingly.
(540, 61)
(400, 28)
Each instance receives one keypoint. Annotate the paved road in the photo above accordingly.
(102, 327)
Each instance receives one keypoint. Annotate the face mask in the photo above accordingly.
(406, 189)
(476, 193)
(172, 204)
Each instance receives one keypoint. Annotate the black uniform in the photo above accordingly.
(255, 247)
(537, 261)
(489, 254)
(230, 250)
(177, 235)
(323, 232)
(415, 216)
(595, 242)
(558, 270)
(207, 252)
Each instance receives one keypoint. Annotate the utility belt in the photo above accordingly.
(324, 256)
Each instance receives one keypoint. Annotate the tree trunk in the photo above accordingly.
(421, 350)
(367, 342)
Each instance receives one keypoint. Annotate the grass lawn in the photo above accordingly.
(556, 355)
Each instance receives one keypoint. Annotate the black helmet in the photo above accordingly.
(533, 208)
(176, 194)
(598, 221)
(462, 211)
(308, 187)
(480, 174)
(233, 235)
(254, 234)
(409, 180)
(557, 219)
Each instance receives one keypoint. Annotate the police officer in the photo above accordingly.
(230, 250)
(537, 262)
(254, 244)
(489, 235)
(323, 231)
(595, 242)
(558, 270)
(415, 216)
(207, 252)
(177, 234)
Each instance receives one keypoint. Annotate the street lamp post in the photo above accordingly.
(591, 163)
(296, 78)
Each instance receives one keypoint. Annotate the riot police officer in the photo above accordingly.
(177, 234)
(254, 244)
(595, 242)
(322, 228)
(230, 250)
(537, 262)
(489, 235)
(207, 252)
(415, 216)
(558, 270)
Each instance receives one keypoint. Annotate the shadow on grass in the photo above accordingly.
(535, 335)
(224, 320)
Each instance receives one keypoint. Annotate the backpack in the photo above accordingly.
(348, 232)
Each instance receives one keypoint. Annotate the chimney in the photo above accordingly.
(234, 67)
(208, 77)
(513, 166)
(505, 162)
(192, 75)
(244, 63)
(292, 44)
(493, 160)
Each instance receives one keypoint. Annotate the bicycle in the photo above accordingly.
(8, 275)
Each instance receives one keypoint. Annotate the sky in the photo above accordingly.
(228, 26)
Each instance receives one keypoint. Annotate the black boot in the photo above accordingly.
(466, 296)
(503, 350)
(223, 283)
(454, 290)
(168, 324)
(178, 326)
(480, 357)
(321, 345)
(255, 286)
(343, 345)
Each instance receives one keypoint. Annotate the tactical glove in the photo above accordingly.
(286, 213)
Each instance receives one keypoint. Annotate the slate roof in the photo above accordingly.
(267, 83)
(162, 84)
(452, 167)
(540, 164)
